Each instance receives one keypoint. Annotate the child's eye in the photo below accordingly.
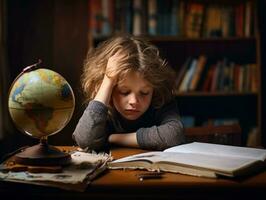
(125, 93)
(144, 93)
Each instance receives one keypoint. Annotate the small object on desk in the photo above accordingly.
(150, 175)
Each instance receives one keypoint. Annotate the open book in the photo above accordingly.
(198, 159)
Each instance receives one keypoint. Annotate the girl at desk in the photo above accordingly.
(129, 88)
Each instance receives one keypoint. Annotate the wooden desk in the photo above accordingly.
(123, 184)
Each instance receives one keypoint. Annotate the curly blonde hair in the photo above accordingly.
(139, 56)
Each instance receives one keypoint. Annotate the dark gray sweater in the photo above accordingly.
(156, 129)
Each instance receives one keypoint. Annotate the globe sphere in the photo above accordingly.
(41, 102)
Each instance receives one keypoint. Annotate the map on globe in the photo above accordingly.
(41, 102)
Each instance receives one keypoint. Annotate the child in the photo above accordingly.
(130, 93)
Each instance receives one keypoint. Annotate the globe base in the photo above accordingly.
(42, 154)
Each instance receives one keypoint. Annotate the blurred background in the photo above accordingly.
(217, 48)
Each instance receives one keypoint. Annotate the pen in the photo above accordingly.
(149, 175)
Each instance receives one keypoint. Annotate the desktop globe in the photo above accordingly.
(41, 103)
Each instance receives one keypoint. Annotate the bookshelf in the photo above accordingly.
(58, 31)
(225, 32)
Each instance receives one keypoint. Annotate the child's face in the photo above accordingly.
(132, 97)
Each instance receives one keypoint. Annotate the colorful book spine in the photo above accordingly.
(152, 17)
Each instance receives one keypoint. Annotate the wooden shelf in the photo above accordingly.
(160, 39)
(215, 94)
(204, 39)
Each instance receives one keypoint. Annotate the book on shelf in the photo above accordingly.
(221, 121)
(176, 18)
(137, 17)
(198, 72)
(227, 22)
(95, 17)
(182, 71)
(206, 84)
(248, 19)
(239, 20)
(184, 85)
(107, 18)
(194, 19)
(152, 17)
(198, 159)
(212, 22)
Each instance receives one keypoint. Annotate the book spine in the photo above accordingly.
(152, 17)
(137, 23)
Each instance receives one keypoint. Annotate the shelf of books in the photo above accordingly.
(213, 45)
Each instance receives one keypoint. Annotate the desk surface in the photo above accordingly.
(121, 184)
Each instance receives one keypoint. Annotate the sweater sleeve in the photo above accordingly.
(167, 133)
(91, 131)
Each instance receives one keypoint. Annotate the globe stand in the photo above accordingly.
(42, 154)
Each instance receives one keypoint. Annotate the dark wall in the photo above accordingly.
(55, 32)
(30, 33)
(262, 27)
(70, 43)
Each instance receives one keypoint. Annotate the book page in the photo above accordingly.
(222, 165)
(220, 150)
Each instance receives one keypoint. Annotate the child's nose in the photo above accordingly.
(133, 99)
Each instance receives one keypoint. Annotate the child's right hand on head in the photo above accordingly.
(112, 67)
(110, 79)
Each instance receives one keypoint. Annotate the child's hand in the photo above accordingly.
(112, 67)
(110, 79)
